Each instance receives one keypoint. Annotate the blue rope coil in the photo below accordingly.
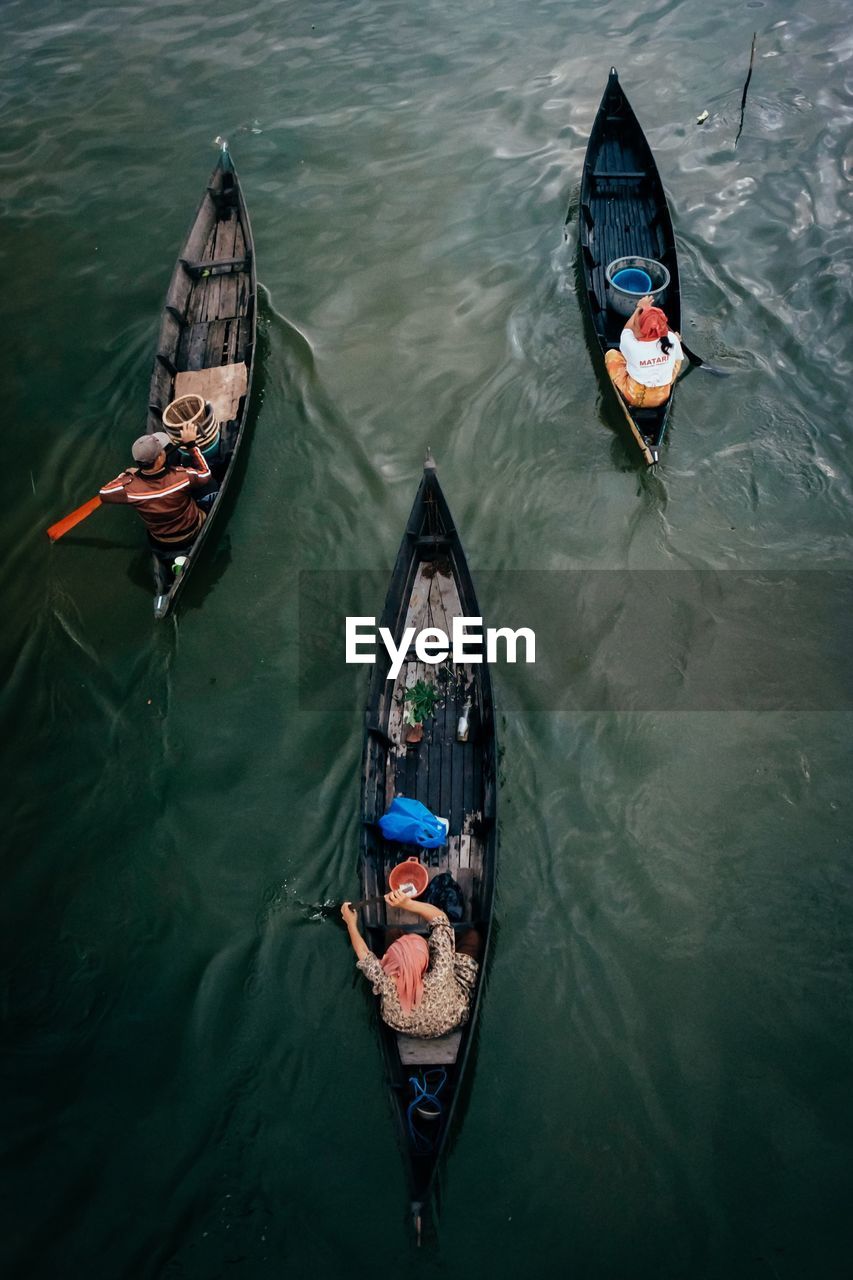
(426, 1090)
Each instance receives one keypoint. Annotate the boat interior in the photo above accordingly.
(623, 218)
(206, 341)
(452, 778)
(207, 333)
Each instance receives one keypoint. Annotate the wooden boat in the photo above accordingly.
(456, 780)
(624, 213)
(207, 343)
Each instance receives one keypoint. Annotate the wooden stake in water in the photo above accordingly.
(746, 86)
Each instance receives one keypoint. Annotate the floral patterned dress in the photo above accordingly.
(449, 984)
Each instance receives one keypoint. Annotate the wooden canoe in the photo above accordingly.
(207, 342)
(430, 585)
(624, 213)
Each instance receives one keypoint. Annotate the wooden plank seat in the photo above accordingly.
(620, 173)
(216, 266)
(438, 1051)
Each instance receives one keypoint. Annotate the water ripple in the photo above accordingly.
(674, 909)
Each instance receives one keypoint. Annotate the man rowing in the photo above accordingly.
(163, 494)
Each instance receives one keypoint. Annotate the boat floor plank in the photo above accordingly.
(233, 288)
(449, 731)
(191, 349)
(223, 296)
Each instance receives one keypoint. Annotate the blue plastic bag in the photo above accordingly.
(410, 822)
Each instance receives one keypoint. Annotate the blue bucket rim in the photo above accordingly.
(633, 271)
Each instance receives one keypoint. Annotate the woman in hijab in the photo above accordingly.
(649, 357)
(424, 985)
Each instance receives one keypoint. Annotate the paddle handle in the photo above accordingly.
(703, 364)
(68, 522)
(368, 902)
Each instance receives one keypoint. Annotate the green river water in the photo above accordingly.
(192, 1084)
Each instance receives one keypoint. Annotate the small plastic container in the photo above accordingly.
(409, 872)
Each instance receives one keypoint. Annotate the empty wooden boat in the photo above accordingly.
(206, 346)
(624, 215)
(456, 780)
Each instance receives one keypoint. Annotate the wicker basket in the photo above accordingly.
(191, 410)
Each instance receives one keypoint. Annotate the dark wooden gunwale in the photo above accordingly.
(621, 217)
(223, 187)
(429, 509)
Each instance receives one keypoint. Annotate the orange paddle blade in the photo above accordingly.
(62, 526)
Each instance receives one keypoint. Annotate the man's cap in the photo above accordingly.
(146, 448)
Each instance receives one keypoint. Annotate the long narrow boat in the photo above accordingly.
(207, 343)
(429, 587)
(623, 214)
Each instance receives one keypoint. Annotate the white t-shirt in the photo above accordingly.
(646, 361)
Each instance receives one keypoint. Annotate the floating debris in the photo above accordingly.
(701, 119)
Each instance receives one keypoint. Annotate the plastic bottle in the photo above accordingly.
(462, 726)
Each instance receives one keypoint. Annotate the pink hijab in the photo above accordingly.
(406, 962)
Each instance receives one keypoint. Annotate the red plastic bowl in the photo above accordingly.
(409, 872)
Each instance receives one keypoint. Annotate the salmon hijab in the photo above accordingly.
(406, 962)
(652, 325)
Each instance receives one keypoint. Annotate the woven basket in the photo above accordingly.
(191, 410)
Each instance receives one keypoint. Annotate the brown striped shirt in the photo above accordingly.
(163, 499)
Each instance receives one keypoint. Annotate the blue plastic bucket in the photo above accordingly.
(633, 280)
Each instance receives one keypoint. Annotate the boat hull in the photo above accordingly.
(624, 214)
(206, 346)
(457, 781)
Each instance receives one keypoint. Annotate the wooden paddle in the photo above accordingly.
(703, 364)
(323, 910)
(362, 902)
(62, 526)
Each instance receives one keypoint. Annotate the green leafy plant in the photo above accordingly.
(423, 698)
